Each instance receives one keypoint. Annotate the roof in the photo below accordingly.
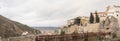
(100, 13)
(116, 6)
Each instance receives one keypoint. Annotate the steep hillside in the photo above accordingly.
(9, 28)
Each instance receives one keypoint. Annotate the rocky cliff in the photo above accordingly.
(9, 28)
(110, 23)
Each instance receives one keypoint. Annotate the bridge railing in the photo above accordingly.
(73, 37)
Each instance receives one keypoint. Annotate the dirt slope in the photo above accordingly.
(9, 28)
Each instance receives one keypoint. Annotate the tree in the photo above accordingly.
(97, 17)
(75, 32)
(91, 18)
(62, 32)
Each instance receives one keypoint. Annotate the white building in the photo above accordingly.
(114, 11)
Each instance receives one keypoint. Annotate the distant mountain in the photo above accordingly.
(9, 28)
(46, 28)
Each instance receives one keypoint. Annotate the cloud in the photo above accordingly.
(50, 12)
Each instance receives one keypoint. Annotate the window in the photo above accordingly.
(107, 28)
(117, 14)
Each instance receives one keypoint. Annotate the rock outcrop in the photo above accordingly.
(111, 25)
(9, 28)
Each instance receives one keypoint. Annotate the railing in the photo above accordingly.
(73, 37)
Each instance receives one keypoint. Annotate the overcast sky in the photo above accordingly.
(50, 12)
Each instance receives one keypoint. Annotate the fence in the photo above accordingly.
(73, 37)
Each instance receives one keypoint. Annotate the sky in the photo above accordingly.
(51, 12)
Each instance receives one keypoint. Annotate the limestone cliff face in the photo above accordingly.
(9, 28)
(110, 24)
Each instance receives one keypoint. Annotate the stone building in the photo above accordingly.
(79, 25)
(80, 21)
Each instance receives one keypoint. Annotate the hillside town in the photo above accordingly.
(107, 21)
